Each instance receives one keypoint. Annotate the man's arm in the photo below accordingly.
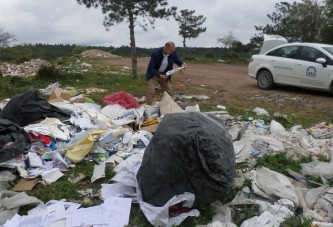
(178, 62)
(152, 67)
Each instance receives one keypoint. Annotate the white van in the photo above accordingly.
(308, 65)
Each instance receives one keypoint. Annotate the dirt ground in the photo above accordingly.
(230, 85)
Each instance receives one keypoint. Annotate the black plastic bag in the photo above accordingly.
(13, 140)
(27, 108)
(189, 152)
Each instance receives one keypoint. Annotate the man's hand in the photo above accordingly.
(164, 76)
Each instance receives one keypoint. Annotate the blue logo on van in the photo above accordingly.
(311, 71)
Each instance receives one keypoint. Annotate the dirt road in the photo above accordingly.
(230, 85)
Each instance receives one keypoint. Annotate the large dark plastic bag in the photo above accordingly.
(27, 108)
(189, 152)
(122, 98)
(13, 140)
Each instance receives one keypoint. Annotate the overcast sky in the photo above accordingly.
(67, 22)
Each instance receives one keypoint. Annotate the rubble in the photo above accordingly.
(96, 54)
(29, 68)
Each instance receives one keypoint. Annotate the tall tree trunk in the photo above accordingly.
(133, 48)
(184, 45)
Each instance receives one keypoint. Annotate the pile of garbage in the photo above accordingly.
(29, 68)
(76, 67)
(168, 159)
(96, 54)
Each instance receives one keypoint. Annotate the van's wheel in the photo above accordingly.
(265, 80)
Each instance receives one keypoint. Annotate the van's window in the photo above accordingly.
(311, 54)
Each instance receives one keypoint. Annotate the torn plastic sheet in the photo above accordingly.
(222, 212)
(10, 202)
(92, 109)
(5, 178)
(243, 148)
(83, 121)
(113, 111)
(276, 127)
(160, 216)
(117, 190)
(272, 183)
(317, 169)
(78, 151)
(273, 217)
(260, 111)
(218, 224)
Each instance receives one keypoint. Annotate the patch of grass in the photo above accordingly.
(63, 189)
(111, 78)
(279, 162)
(206, 215)
(244, 212)
(294, 221)
(306, 118)
(205, 107)
(137, 218)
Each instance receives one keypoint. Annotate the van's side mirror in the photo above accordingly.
(322, 61)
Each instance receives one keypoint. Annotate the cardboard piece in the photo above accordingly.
(25, 185)
(150, 128)
(167, 105)
(59, 95)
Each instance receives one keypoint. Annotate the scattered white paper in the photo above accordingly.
(173, 71)
(99, 172)
(96, 215)
(127, 137)
(52, 175)
(118, 212)
(34, 160)
(117, 190)
(55, 212)
(14, 222)
(32, 221)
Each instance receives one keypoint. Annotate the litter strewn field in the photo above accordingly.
(213, 153)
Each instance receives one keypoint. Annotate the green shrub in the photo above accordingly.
(48, 73)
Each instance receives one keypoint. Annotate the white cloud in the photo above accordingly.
(67, 22)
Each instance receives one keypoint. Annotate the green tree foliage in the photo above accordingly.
(190, 25)
(327, 32)
(26, 52)
(306, 21)
(6, 38)
(255, 42)
(134, 12)
(79, 49)
(299, 21)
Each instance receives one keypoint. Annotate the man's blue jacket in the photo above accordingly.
(156, 61)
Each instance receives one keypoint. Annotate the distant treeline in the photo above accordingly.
(22, 53)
